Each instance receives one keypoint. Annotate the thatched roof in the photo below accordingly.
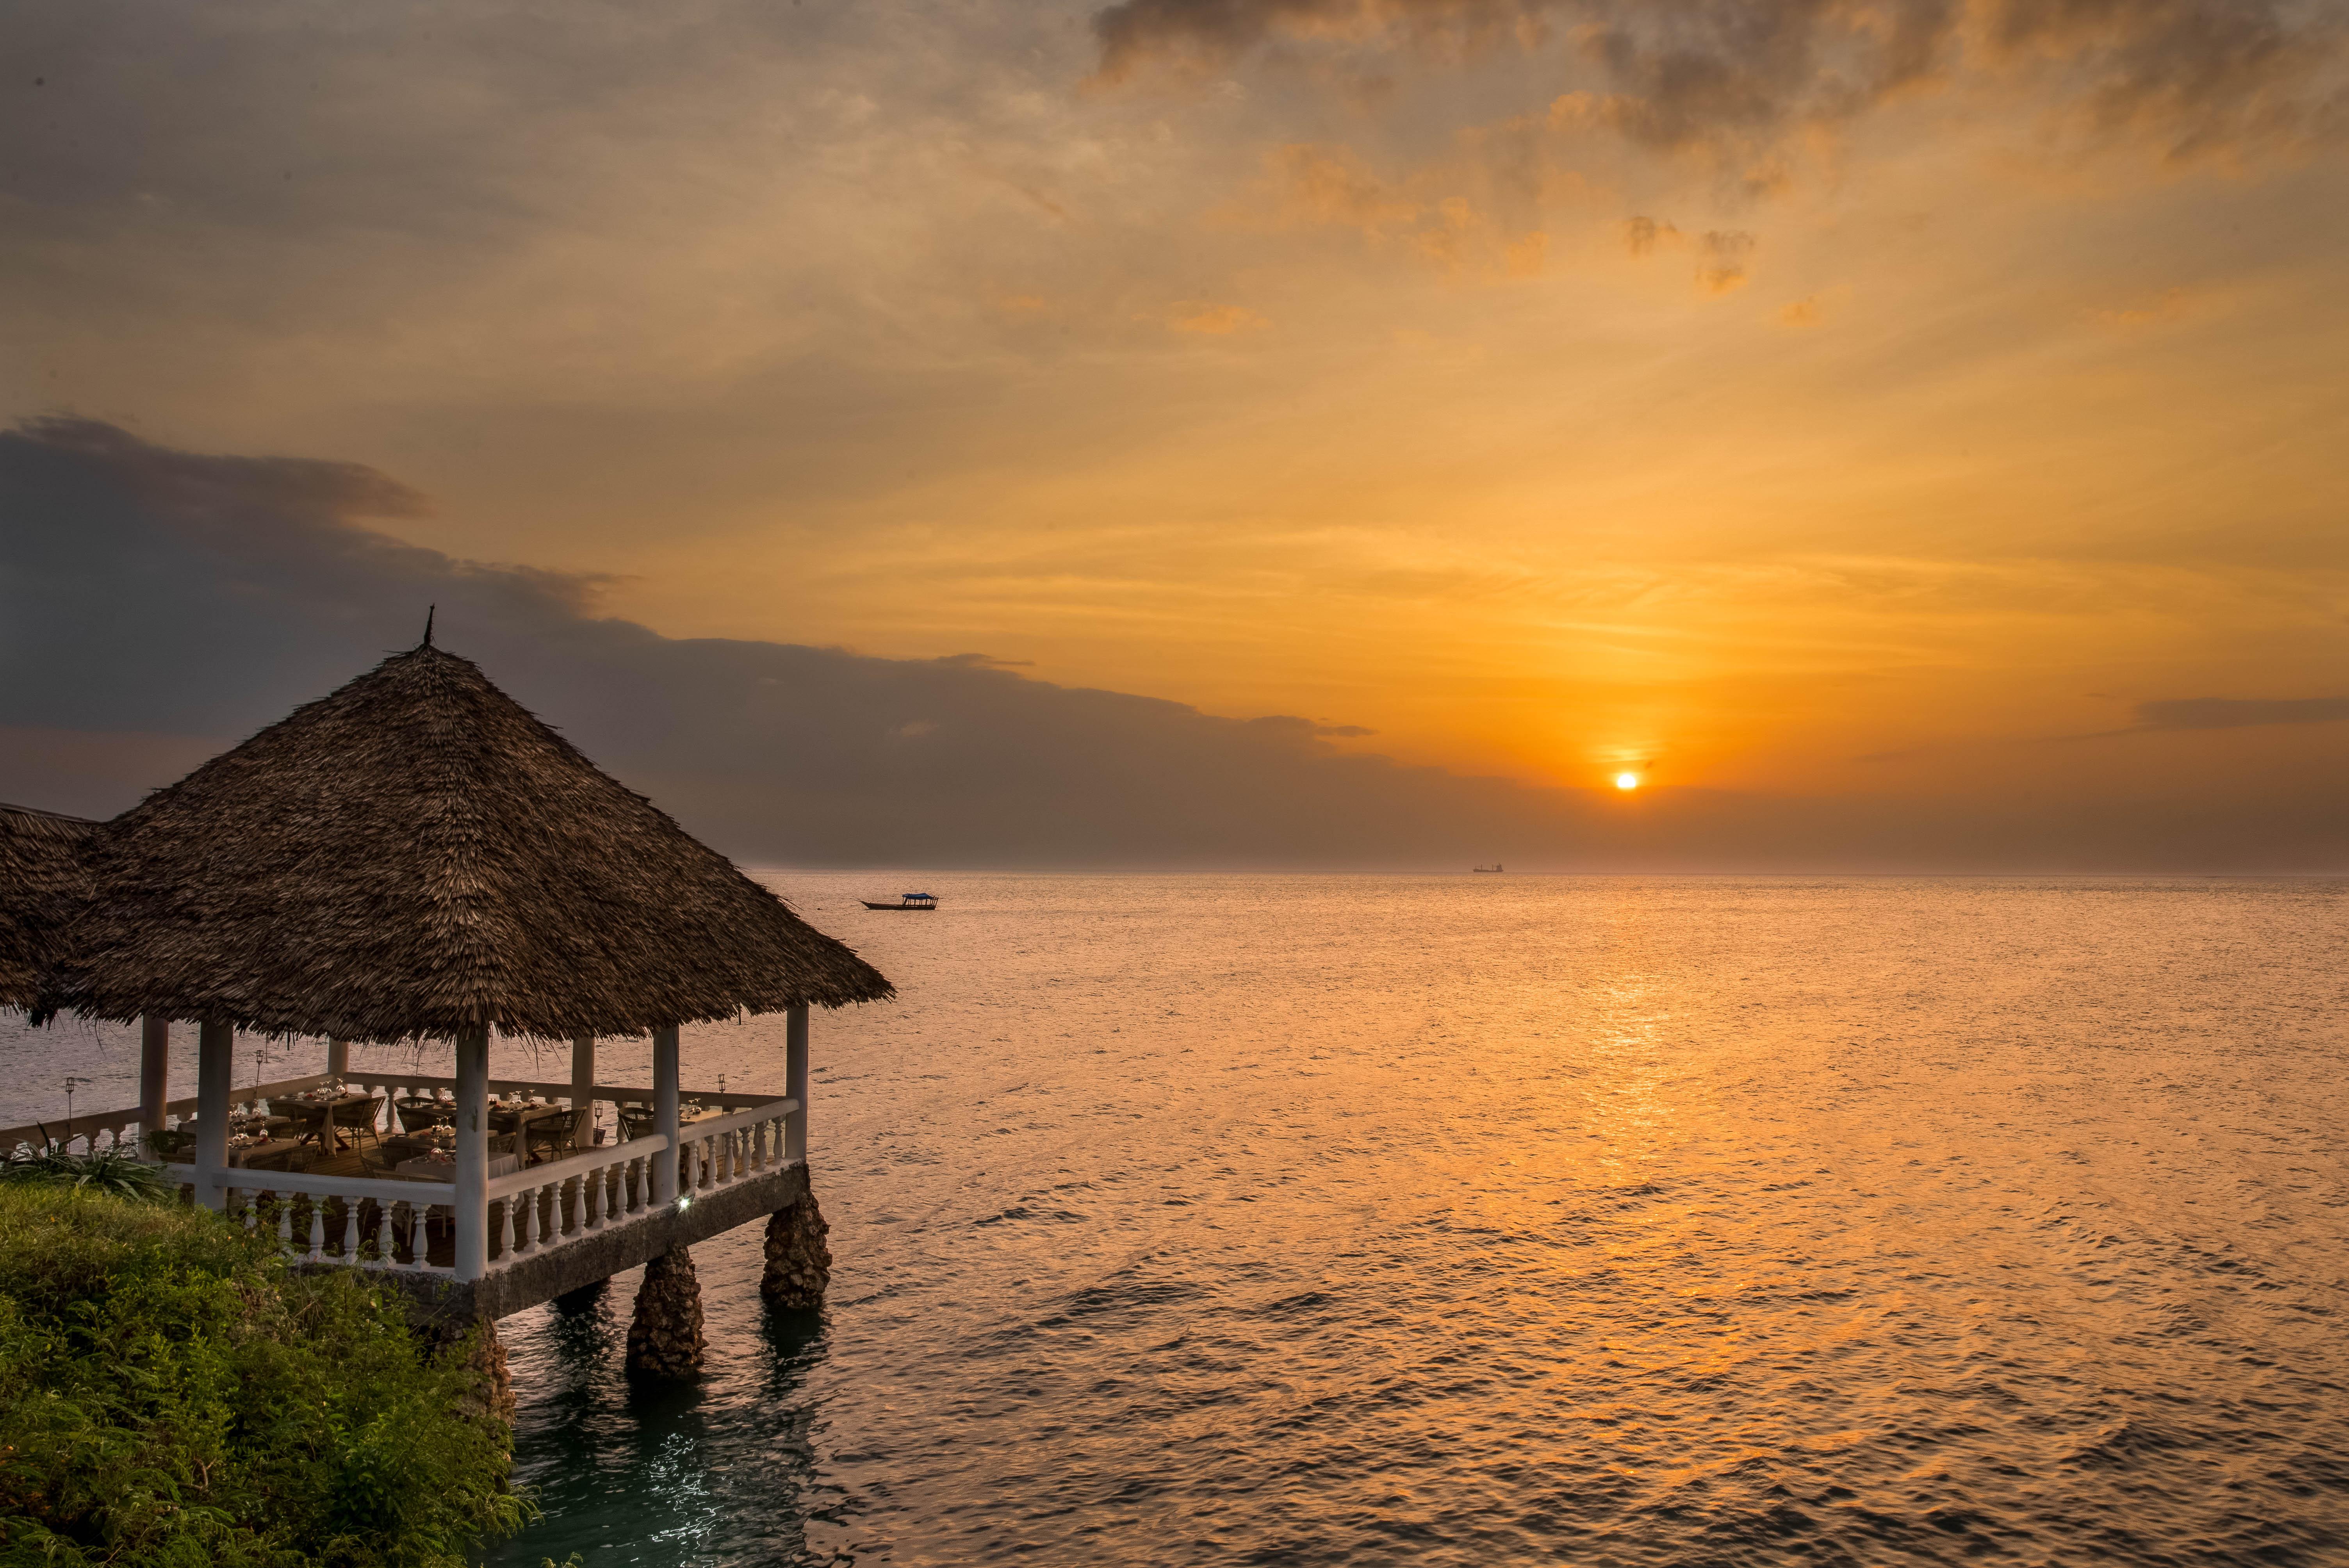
(42, 880)
(416, 855)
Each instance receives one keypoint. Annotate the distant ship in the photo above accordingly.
(1493, 867)
(906, 900)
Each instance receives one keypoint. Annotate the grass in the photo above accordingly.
(171, 1396)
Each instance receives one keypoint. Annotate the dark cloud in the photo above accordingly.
(1643, 235)
(1725, 254)
(2239, 713)
(156, 605)
(2193, 74)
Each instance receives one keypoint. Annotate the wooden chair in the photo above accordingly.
(554, 1137)
(359, 1120)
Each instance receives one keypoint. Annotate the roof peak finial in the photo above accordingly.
(428, 610)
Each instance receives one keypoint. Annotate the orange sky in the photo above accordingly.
(1758, 394)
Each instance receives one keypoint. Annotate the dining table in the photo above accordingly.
(319, 1118)
(269, 1154)
(419, 1111)
(512, 1116)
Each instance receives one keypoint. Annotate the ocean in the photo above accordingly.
(1482, 1220)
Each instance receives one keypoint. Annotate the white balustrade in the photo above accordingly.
(285, 1200)
(547, 1206)
(323, 1220)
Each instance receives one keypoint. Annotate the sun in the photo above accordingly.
(1627, 780)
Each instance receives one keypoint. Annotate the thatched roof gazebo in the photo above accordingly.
(417, 857)
(43, 880)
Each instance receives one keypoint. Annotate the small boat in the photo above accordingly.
(1493, 867)
(906, 900)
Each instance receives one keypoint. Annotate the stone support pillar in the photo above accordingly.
(154, 1076)
(665, 1333)
(215, 1072)
(799, 1264)
(492, 1395)
(339, 1058)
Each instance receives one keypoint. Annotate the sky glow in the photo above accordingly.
(1941, 387)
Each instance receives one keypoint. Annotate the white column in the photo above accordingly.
(154, 1074)
(473, 1194)
(215, 1071)
(583, 1072)
(665, 1115)
(795, 1082)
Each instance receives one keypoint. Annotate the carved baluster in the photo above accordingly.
(518, 1208)
(386, 1252)
(317, 1229)
(284, 1221)
(351, 1231)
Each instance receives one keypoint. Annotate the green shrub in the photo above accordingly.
(171, 1396)
(115, 1170)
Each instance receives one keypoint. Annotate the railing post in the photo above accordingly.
(215, 1070)
(473, 1193)
(795, 1083)
(665, 1116)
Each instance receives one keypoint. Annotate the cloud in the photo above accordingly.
(2170, 305)
(1643, 235)
(2192, 75)
(1721, 267)
(1803, 311)
(2239, 713)
(1213, 320)
(1312, 185)
(1307, 186)
(155, 605)
(984, 661)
